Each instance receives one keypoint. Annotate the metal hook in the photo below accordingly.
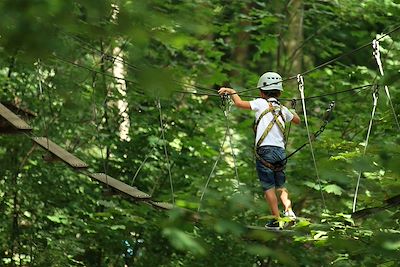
(375, 94)
(331, 106)
(328, 112)
(375, 46)
(224, 98)
(293, 103)
(225, 103)
(300, 81)
(377, 54)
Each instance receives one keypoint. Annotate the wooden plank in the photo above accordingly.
(24, 113)
(162, 205)
(13, 120)
(120, 186)
(59, 152)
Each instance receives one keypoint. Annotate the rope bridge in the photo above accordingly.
(13, 124)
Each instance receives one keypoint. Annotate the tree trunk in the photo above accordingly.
(279, 8)
(119, 71)
(294, 38)
(241, 50)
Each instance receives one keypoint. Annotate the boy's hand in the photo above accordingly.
(224, 90)
(235, 97)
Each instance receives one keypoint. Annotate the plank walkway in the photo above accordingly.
(162, 205)
(15, 123)
(118, 185)
(59, 152)
(12, 123)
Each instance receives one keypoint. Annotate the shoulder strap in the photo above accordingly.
(271, 124)
(267, 110)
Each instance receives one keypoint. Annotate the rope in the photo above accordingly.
(39, 76)
(227, 112)
(392, 107)
(129, 65)
(97, 71)
(375, 96)
(203, 88)
(131, 81)
(317, 133)
(293, 106)
(377, 55)
(362, 87)
(142, 164)
(301, 89)
(327, 62)
(94, 104)
(44, 94)
(107, 56)
(326, 120)
(165, 150)
(196, 93)
(138, 169)
(213, 168)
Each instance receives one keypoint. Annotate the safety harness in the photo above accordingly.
(276, 113)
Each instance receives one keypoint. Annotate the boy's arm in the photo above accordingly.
(296, 118)
(235, 97)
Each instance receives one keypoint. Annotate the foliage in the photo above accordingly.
(58, 58)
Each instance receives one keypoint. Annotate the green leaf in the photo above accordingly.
(392, 245)
(260, 250)
(183, 241)
(332, 188)
(61, 219)
(118, 227)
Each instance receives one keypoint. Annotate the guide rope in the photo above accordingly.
(300, 79)
(213, 168)
(225, 109)
(227, 103)
(326, 120)
(377, 55)
(300, 82)
(327, 62)
(97, 125)
(375, 96)
(165, 150)
(129, 65)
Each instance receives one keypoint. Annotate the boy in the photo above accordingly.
(270, 140)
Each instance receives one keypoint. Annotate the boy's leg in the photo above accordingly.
(284, 196)
(270, 197)
(266, 177)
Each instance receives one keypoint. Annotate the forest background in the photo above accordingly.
(130, 88)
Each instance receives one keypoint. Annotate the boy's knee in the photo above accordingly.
(282, 190)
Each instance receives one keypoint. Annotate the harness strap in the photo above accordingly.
(274, 167)
(274, 121)
(262, 115)
(269, 127)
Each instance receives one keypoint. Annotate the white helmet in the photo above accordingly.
(270, 81)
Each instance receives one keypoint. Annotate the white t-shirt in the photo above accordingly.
(275, 136)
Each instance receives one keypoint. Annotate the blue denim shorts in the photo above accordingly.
(268, 178)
